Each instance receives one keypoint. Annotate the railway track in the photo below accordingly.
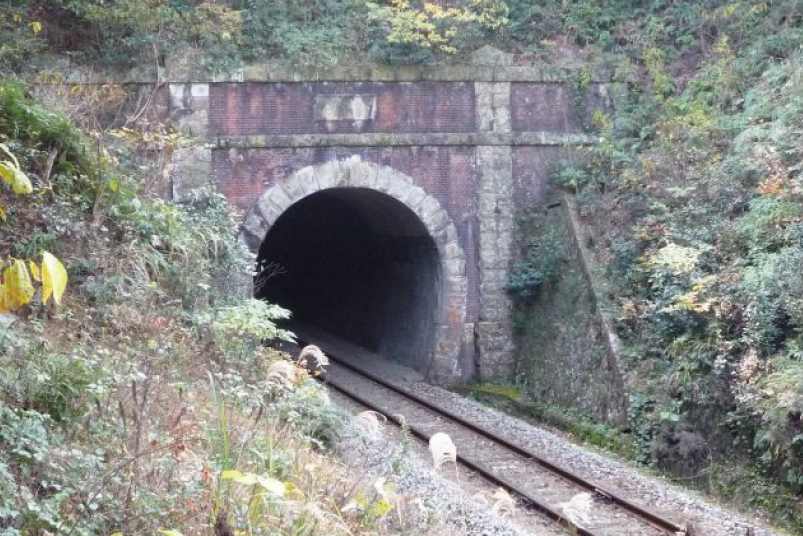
(538, 483)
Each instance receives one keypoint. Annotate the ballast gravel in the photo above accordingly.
(449, 502)
(653, 493)
(657, 494)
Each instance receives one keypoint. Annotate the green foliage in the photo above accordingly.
(745, 484)
(694, 202)
(36, 378)
(430, 26)
(36, 135)
(573, 178)
(240, 330)
(47, 477)
(19, 38)
(16, 288)
(654, 60)
(309, 32)
(543, 258)
(563, 417)
(39, 129)
(186, 249)
(127, 32)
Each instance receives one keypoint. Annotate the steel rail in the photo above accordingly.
(653, 518)
(477, 467)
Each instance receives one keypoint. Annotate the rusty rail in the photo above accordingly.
(653, 518)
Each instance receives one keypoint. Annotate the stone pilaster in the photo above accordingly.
(493, 106)
(189, 105)
(192, 169)
(192, 166)
(495, 213)
(496, 359)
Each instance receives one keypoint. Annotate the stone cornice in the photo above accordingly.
(384, 139)
(281, 73)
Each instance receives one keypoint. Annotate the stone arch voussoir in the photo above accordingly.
(353, 172)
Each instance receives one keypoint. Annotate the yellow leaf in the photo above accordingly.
(4, 148)
(11, 173)
(17, 179)
(54, 278)
(18, 289)
(4, 308)
(231, 475)
(34, 271)
(272, 485)
(36, 27)
(269, 484)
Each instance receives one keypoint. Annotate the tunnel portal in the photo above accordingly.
(359, 264)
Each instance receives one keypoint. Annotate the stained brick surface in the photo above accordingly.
(532, 166)
(556, 107)
(447, 173)
(544, 107)
(288, 108)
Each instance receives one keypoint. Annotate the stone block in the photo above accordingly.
(399, 184)
(383, 180)
(294, 189)
(454, 267)
(307, 180)
(327, 174)
(192, 169)
(362, 176)
(415, 196)
(437, 222)
(279, 198)
(356, 108)
(256, 225)
(429, 207)
(452, 250)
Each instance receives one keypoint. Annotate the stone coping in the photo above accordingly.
(276, 73)
(387, 139)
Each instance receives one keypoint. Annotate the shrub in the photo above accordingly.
(543, 258)
(239, 330)
(34, 377)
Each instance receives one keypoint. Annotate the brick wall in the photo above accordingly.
(532, 166)
(289, 108)
(556, 107)
(448, 174)
(502, 140)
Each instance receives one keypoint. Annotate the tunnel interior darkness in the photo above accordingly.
(359, 264)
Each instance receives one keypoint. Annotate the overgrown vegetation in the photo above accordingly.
(124, 33)
(693, 196)
(148, 401)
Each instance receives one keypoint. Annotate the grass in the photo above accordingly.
(512, 400)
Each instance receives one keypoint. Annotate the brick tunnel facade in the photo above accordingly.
(412, 177)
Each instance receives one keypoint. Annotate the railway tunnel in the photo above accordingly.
(359, 264)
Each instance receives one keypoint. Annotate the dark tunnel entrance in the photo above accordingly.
(359, 264)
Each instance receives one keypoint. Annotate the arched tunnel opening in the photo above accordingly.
(360, 265)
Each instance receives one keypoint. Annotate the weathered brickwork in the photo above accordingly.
(449, 174)
(310, 108)
(532, 166)
(479, 145)
(557, 107)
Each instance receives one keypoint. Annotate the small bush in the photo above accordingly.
(36, 378)
(543, 258)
